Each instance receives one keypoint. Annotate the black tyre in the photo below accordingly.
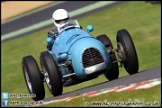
(33, 77)
(127, 48)
(42, 56)
(113, 73)
(52, 74)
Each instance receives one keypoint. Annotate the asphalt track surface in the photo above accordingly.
(145, 75)
(46, 14)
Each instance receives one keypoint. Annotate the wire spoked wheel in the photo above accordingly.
(127, 51)
(33, 78)
(52, 74)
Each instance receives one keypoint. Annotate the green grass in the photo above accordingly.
(139, 18)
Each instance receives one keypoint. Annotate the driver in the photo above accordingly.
(61, 19)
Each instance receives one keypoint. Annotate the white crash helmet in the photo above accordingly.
(60, 18)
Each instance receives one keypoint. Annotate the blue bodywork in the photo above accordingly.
(70, 45)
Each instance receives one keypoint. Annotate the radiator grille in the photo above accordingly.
(91, 56)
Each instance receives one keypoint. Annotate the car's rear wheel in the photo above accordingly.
(42, 57)
(113, 73)
(33, 77)
(127, 51)
(52, 74)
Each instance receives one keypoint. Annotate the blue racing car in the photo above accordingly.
(77, 56)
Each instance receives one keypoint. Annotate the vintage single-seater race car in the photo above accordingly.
(77, 56)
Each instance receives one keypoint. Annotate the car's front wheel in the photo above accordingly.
(33, 78)
(127, 51)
